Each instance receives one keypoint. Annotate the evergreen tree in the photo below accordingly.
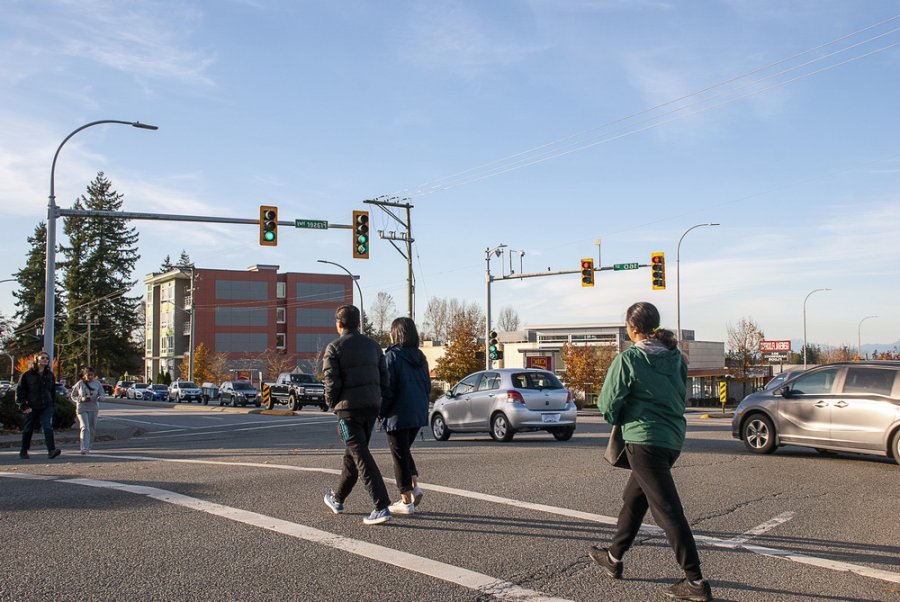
(184, 261)
(167, 265)
(29, 316)
(100, 259)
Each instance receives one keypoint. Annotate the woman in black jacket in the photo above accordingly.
(35, 394)
(405, 409)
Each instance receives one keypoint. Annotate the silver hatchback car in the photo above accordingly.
(504, 402)
(847, 407)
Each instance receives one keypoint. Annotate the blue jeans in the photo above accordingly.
(45, 418)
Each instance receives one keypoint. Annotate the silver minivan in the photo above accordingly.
(843, 407)
(503, 402)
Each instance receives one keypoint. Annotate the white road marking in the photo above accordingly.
(479, 582)
(766, 526)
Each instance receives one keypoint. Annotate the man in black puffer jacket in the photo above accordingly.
(356, 379)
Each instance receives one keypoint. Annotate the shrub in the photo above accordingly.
(12, 418)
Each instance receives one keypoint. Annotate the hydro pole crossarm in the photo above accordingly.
(558, 273)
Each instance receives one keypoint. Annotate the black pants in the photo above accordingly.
(400, 442)
(44, 417)
(355, 431)
(651, 485)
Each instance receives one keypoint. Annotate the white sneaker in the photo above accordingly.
(417, 496)
(400, 507)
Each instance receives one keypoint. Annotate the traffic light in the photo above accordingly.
(587, 272)
(494, 346)
(268, 225)
(658, 268)
(360, 234)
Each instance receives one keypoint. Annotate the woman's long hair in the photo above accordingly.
(643, 318)
(404, 333)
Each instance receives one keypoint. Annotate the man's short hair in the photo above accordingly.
(348, 315)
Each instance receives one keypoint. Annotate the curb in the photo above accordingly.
(717, 415)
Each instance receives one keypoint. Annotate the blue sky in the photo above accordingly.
(544, 125)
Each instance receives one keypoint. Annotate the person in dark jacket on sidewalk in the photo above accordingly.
(405, 409)
(35, 394)
(356, 380)
(644, 393)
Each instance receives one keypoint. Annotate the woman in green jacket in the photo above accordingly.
(644, 393)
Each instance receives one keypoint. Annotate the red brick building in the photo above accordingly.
(244, 315)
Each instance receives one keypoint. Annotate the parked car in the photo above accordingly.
(184, 390)
(842, 407)
(504, 402)
(159, 392)
(210, 392)
(297, 389)
(4, 386)
(239, 392)
(107, 388)
(121, 387)
(61, 390)
(139, 391)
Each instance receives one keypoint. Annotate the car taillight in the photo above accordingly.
(515, 397)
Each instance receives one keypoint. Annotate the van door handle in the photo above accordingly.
(822, 404)
(841, 404)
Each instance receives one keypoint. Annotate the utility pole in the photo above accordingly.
(405, 236)
(90, 319)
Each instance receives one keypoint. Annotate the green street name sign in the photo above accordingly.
(625, 266)
(315, 224)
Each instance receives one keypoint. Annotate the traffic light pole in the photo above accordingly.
(178, 218)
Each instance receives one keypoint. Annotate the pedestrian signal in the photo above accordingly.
(268, 226)
(587, 272)
(360, 234)
(658, 268)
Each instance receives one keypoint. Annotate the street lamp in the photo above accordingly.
(50, 280)
(678, 278)
(362, 315)
(859, 337)
(804, 321)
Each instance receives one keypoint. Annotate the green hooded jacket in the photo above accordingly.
(644, 392)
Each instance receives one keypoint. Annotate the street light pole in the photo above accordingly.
(859, 336)
(678, 278)
(52, 214)
(355, 279)
(804, 321)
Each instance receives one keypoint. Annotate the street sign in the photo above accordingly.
(723, 392)
(774, 346)
(777, 357)
(315, 224)
(625, 266)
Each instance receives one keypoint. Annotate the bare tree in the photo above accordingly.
(435, 323)
(383, 311)
(442, 316)
(743, 347)
(508, 321)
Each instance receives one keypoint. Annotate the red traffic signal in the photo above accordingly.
(587, 272)
(658, 270)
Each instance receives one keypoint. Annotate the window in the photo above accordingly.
(279, 340)
(871, 381)
(536, 380)
(491, 380)
(280, 315)
(466, 385)
(815, 383)
(281, 290)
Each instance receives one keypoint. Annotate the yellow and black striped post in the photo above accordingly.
(267, 396)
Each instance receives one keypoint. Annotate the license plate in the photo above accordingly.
(550, 417)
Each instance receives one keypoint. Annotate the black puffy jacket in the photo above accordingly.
(37, 390)
(356, 376)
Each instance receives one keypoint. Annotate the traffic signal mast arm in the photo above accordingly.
(179, 218)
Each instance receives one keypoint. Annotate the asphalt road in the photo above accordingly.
(208, 505)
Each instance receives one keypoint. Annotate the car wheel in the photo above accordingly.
(258, 403)
(563, 434)
(293, 404)
(759, 434)
(439, 428)
(324, 407)
(500, 428)
(895, 446)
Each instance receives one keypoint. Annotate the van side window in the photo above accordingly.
(818, 382)
(872, 381)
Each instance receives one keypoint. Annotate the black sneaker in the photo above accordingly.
(54, 453)
(685, 590)
(23, 455)
(601, 557)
